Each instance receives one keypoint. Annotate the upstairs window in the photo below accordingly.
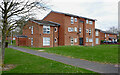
(55, 29)
(32, 30)
(86, 30)
(46, 29)
(72, 20)
(90, 22)
(87, 21)
(89, 31)
(97, 33)
(80, 30)
(75, 29)
(70, 29)
(75, 19)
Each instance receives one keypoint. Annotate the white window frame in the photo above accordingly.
(75, 19)
(72, 20)
(87, 21)
(32, 30)
(90, 22)
(47, 29)
(70, 29)
(46, 41)
(75, 40)
(80, 30)
(31, 41)
(90, 40)
(97, 33)
(75, 29)
(55, 29)
(55, 40)
(87, 31)
(97, 40)
(87, 39)
(105, 35)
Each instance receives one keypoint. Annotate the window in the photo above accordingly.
(46, 41)
(72, 21)
(75, 19)
(31, 41)
(32, 30)
(79, 30)
(46, 29)
(89, 31)
(105, 35)
(90, 22)
(87, 21)
(55, 29)
(97, 40)
(86, 30)
(75, 29)
(72, 41)
(86, 39)
(75, 40)
(55, 40)
(70, 29)
(90, 40)
(97, 33)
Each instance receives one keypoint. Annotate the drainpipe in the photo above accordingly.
(92, 38)
(53, 37)
(58, 36)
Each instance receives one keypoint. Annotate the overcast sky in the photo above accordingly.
(105, 11)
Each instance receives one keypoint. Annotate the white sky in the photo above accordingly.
(105, 11)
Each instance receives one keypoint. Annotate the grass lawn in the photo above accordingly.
(100, 53)
(28, 63)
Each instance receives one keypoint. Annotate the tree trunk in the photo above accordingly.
(3, 47)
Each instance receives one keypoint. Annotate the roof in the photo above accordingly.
(108, 32)
(72, 15)
(42, 22)
(97, 29)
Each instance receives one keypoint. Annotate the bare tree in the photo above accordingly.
(12, 11)
(113, 30)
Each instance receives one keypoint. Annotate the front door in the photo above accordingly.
(72, 41)
(81, 41)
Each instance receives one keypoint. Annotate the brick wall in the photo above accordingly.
(38, 35)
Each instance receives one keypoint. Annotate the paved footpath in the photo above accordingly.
(93, 66)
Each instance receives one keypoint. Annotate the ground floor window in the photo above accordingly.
(75, 40)
(55, 40)
(90, 40)
(97, 40)
(46, 41)
(31, 41)
(72, 41)
(87, 39)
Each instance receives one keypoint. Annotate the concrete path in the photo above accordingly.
(93, 66)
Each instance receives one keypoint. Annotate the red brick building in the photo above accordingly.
(103, 35)
(73, 30)
(40, 34)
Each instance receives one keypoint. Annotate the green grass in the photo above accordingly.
(100, 53)
(28, 63)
